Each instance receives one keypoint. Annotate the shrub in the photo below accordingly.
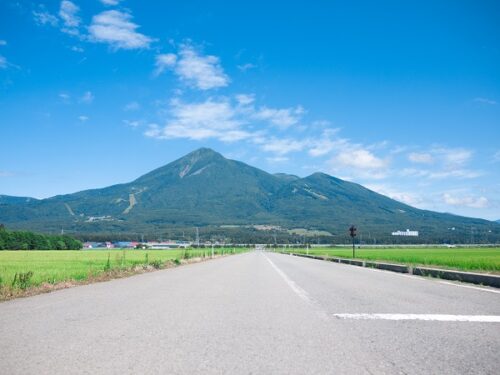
(22, 280)
(157, 263)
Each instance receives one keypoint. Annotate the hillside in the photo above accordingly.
(230, 198)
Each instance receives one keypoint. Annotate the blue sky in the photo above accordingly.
(402, 97)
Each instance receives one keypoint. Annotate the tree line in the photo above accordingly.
(24, 240)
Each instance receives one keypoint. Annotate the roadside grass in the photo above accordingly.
(464, 259)
(22, 270)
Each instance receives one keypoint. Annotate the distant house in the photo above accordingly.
(406, 233)
(168, 245)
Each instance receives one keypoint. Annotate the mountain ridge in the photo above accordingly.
(205, 189)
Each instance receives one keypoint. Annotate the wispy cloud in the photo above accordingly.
(3, 62)
(87, 97)
(42, 17)
(441, 174)
(247, 66)
(277, 159)
(3, 42)
(282, 146)
(133, 123)
(165, 61)
(64, 96)
(132, 106)
(407, 197)
(360, 159)
(83, 118)
(421, 157)
(6, 174)
(77, 49)
(485, 101)
(212, 118)
(68, 12)
(203, 72)
(116, 28)
(282, 118)
(110, 2)
(245, 99)
(467, 201)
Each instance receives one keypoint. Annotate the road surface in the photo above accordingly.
(255, 313)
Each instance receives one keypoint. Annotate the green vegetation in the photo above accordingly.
(222, 196)
(30, 241)
(465, 259)
(24, 269)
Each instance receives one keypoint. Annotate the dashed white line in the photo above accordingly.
(298, 290)
(424, 317)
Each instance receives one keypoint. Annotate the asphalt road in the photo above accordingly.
(255, 313)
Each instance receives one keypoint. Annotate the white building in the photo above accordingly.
(406, 233)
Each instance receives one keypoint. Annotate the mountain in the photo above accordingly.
(230, 198)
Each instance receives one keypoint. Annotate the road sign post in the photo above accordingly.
(352, 233)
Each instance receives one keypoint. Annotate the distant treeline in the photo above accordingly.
(23, 240)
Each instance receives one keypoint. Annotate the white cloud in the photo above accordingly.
(83, 118)
(132, 123)
(245, 99)
(87, 97)
(422, 158)
(116, 29)
(165, 61)
(496, 156)
(110, 2)
(282, 118)
(247, 66)
(3, 42)
(360, 159)
(196, 70)
(3, 62)
(485, 101)
(441, 174)
(213, 118)
(282, 146)
(132, 106)
(409, 198)
(467, 201)
(326, 143)
(68, 13)
(64, 96)
(454, 157)
(456, 173)
(43, 18)
(77, 49)
(277, 159)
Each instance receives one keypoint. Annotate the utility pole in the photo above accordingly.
(197, 237)
(212, 250)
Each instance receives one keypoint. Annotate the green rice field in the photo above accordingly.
(65, 265)
(465, 259)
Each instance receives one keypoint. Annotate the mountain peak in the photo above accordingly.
(204, 152)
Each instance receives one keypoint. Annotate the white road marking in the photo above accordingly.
(425, 317)
(421, 278)
(297, 289)
(471, 287)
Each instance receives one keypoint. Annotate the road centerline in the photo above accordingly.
(298, 290)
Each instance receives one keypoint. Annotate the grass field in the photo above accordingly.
(465, 259)
(77, 265)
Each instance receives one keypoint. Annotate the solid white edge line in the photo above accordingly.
(423, 317)
(417, 277)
